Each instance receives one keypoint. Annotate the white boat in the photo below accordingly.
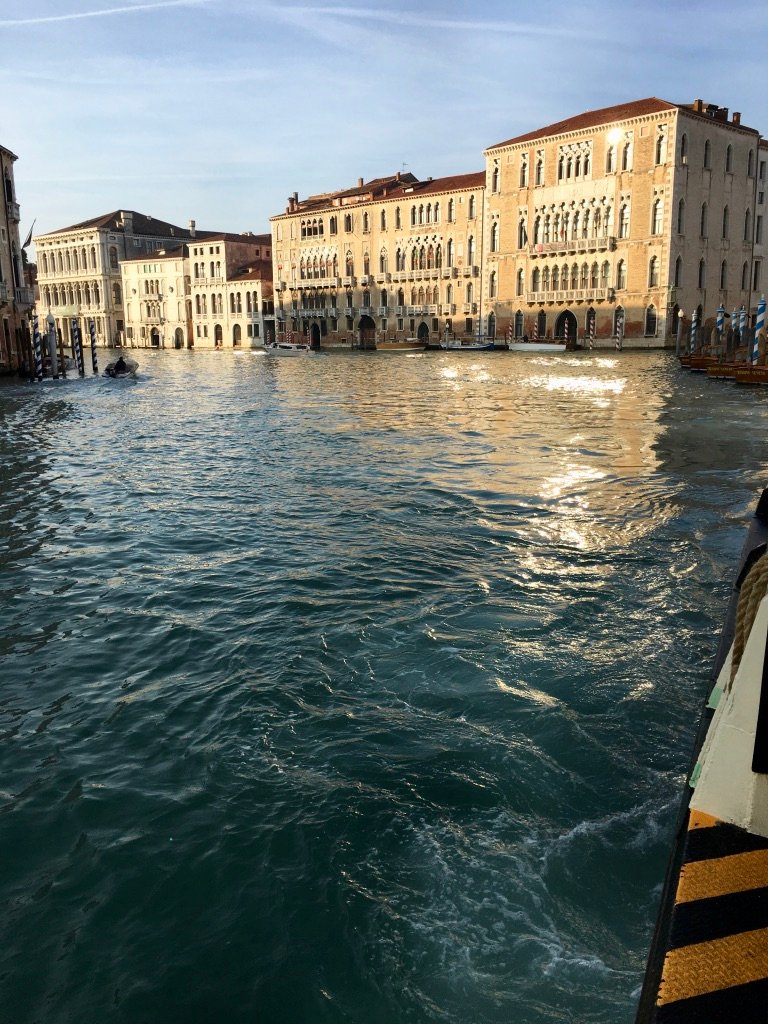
(457, 345)
(287, 348)
(536, 346)
(120, 368)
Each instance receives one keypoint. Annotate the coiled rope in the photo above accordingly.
(753, 590)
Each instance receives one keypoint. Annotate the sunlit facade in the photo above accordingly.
(626, 219)
(388, 259)
(79, 269)
(16, 296)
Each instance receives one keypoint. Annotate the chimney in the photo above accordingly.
(191, 229)
(397, 176)
(722, 114)
(737, 117)
(698, 106)
(127, 220)
(359, 182)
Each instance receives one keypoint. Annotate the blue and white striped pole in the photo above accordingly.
(734, 325)
(77, 342)
(759, 326)
(719, 322)
(37, 345)
(94, 360)
(742, 321)
(619, 333)
(694, 328)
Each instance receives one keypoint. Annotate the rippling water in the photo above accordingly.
(354, 688)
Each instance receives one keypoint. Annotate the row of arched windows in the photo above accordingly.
(419, 257)
(199, 270)
(78, 294)
(704, 221)
(72, 261)
(728, 160)
(422, 295)
(236, 303)
(423, 213)
(588, 223)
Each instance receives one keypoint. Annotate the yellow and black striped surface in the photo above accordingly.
(716, 965)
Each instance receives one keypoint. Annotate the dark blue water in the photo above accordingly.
(354, 688)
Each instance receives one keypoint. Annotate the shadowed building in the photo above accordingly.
(16, 296)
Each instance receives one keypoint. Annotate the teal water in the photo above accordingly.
(354, 688)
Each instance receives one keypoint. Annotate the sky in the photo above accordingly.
(218, 110)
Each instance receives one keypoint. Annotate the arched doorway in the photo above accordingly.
(314, 337)
(178, 338)
(491, 326)
(566, 328)
(367, 332)
(423, 332)
(218, 336)
(236, 336)
(154, 338)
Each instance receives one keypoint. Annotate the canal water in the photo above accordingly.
(354, 688)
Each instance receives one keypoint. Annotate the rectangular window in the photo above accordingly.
(255, 330)
(400, 323)
(759, 230)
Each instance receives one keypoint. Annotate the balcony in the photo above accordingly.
(448, 308)
(25, 296)
(348, 282)
(470, 307)
(383, 310)
(3, 291)
(570, 295)
(605, 243)
(14, 213)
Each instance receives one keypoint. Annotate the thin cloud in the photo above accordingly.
(105, 12)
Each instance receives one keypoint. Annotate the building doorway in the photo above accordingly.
(314, 337)
(367, 332)
(423, 333)
(566, 328)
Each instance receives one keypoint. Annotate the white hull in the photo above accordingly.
(535, 346)
(472, 346)
(286, 348)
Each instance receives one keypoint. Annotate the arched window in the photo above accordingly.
(333, 225)
(605, 274)
(349, 264)
(729, 157)
(439, 256)
(117, 295)
(495, 236)
(624, 221)
(470, 291)
(661, 146)
(657, 217)
(650, 321)
(113, 257)
(471, 209)
(556, 278)
(584, 276)
(495, 179)
(610, 160)
(450, 211)
(348, 222)
(725, 221)
(702, 273)
(621, 274)
(470, 251)
(523, 171)
(684, 149)
(574, 276)
(679, 272)
(366, 222)
(594, 275)
(561, 168)
(449, 293)
(751, 164)
(383, 262)
(707, 154)
(748, 225)
(723, 275)
(384, 299)
(535, 279)
(383, 220)
(653, 272)
(520, 283)
(681, 217)
(545, 279)
(703, 220)
(492, 285)
(626, 157)
(449, 253)
(539, 170)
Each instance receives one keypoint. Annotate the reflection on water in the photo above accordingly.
(354, 687)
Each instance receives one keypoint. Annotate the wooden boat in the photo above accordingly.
(699, 362)
(709, 955)
(751, 375)
(407, 345)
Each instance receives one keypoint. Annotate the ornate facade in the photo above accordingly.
(16, 296)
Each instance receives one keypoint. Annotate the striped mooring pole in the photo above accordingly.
(759, 326)
(77, 342)
(94, 360)
(37, 346)
(694, 329)
(591, 332)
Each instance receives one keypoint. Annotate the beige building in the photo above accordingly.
(231, 291)
(623, 219)
(79, 268)
(16, 297)
(391, 258)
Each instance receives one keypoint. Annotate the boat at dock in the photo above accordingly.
(709, 955)
(287, 348)
(457, 345)
(407, 345)
(537, 346)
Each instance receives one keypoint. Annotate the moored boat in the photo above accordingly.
(407, 345)
(457, 345)
(536, 346)
(287, 348)
(746, 374)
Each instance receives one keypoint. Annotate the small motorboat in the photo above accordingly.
(457, 345)
(120, 368)
(287, 348)
(406, 345)
(536, 346)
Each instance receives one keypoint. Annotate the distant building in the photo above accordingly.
(390, 258)
(16, 295)
(624, 217)
(629, 219)
(79, 268)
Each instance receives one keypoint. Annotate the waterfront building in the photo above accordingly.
(214, 292)
(79, 268)
(631, 218)
(16, 295)
(391, 258)
(231, 301)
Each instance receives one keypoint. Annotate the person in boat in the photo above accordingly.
(120, 366)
